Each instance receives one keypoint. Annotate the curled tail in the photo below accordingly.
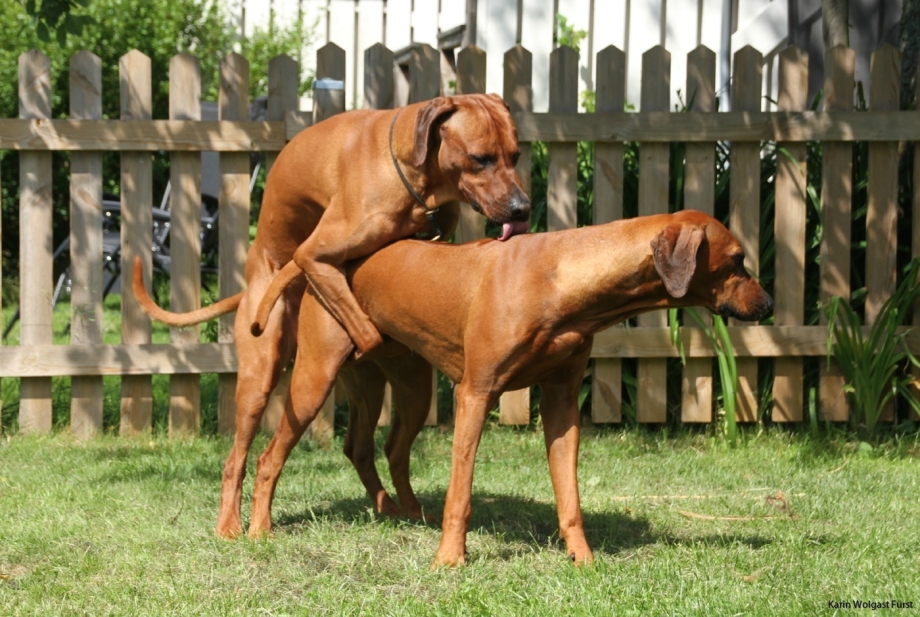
(285, 276)
(178, 320)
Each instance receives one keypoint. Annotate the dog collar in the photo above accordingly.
(432, 215)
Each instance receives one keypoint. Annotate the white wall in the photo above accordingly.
(634, 26)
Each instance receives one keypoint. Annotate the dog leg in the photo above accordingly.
(365, 385)
(259, 369)
(560, 415)
(410, 378)
(322, 347)
(336, 240)
(472, 408)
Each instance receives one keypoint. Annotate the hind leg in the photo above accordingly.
(410, 378)
(365, 385)
(261, 361)
(322, 347)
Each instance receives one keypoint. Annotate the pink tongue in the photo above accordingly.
(512, 229)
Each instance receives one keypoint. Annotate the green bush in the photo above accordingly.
(158, 28)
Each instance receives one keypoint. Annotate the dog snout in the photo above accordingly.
(754, 310)
(519, 208)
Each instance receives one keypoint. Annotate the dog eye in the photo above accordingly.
(515, 157)
(483, 159)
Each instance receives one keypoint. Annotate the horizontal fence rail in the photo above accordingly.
(617, 342)
(136, 135)
(601, 127)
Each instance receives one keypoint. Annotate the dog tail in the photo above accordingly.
(285, 276)
(178, 320)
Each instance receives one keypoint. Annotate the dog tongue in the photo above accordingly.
(512, 229)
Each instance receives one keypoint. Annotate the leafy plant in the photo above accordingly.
(728, 371)
(874, 366)
(567, 35)
(263, 45)
(58, 15)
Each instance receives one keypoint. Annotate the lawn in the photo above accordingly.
(781, 524)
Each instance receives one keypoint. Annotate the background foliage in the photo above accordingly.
(158, 28)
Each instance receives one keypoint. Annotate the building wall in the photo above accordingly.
(634, 26)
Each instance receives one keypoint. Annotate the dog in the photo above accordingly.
(495, 317)
(338, 191)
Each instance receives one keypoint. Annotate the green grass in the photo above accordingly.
(125, 526)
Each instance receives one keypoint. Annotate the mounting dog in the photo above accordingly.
(339, 191)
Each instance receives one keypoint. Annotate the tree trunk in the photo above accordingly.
(835, 17)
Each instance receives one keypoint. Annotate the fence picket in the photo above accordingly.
(184, 239)
(607, 384)
(471, 79)
(882, 215)
(283, 84)
(136, 236)
(699, 194)
(744, 211)
(330, 64)
(379, 85)
(233, 221)
(86, 243)
(425, 84)
(790, 220)
(836, 206)
(35, 241)
(561, 176)
(424, 73)
(651, 373)
(514, 406)
(379, 88)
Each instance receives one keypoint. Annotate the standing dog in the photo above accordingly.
(338, 191)
(495, 317)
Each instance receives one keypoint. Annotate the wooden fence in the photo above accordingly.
(136, 135)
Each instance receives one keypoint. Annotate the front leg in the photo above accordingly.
(472, 408)
(560, 415)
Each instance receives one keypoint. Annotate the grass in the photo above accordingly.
(125, 526)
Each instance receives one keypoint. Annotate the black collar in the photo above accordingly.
(432, 214)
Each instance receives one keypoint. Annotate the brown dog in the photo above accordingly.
(341, 190)
(496, 317)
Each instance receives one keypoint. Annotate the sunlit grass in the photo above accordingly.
(125, 526)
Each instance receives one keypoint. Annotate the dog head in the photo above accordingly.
(471, 143)
(701, 262)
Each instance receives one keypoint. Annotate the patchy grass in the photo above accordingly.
(125, 526)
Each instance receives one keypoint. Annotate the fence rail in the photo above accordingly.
(136, 135)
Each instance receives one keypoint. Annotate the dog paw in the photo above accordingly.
(367, 343)
(229, 531)
(418, 515)
(581, 558)
(448, 560)
(260, 533)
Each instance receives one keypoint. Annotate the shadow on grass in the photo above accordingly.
(520, 520)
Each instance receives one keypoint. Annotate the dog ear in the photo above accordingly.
(499, 99)
(437, 109)
(674, 252)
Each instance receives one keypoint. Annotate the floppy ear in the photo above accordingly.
(674, 252)
(436, 109)
(499, 99)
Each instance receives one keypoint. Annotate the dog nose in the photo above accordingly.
(519, 208)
